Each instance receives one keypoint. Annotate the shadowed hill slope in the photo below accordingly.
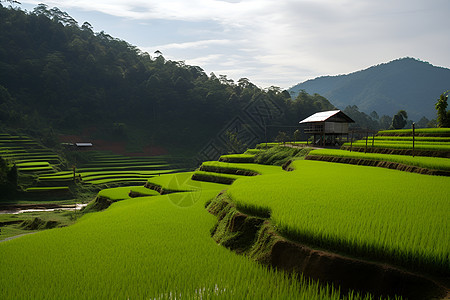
(406, 83)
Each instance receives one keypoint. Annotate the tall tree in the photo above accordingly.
(399, 120)
(441, 108)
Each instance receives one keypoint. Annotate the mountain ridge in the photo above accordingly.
(405, 83)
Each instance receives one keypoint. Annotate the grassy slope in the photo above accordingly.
(183, 182)
(121, 193)
(138, 248)
(380, 213)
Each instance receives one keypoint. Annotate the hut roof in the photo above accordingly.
(330, 116)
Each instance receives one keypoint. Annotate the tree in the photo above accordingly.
(282, 137)
(10, 1)
(297, 135)
(399, 120)
(385, 121)
(234, 144)
(441, 107)
(423, 122)
(374, 115)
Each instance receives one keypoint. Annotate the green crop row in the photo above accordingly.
(215, 177)
(33, 164)
(183, 182)
(405, 142)
(118, 168)
(378, 213)
(36, 169)
(122, 163)
(121, 193)
(252, 151)
(230, 167)
(238, 158)
(434, 163)
(418, 146)
(149, 249)
(410, 138)
(423, 131)
(121, 179)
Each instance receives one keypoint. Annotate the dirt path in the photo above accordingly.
(16, 236)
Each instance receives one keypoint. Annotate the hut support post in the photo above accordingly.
(413, 134)
(367, 137)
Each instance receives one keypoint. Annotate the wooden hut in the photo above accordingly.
(327, 127)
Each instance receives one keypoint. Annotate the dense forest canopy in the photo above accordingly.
(58, 76)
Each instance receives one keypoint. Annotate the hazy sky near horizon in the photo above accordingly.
(273, 42)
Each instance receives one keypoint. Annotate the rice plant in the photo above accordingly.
(435, 163)
(371, 212)
(142, 248)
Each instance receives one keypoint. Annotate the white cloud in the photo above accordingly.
(194, 45)
(286, 41)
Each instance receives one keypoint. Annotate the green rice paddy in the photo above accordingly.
(392, 145)
(371, 212)
(238, 158)
(434, 163)
(121, 193)
(159, 247)
(423, 131)
(142, 248)
(182, 182)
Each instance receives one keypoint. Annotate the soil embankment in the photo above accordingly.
(407, 152)
(257, 238)
(377, 163)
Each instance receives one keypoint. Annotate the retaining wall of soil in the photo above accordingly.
(376, 163)
(407, 152)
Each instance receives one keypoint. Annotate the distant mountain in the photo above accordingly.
(405, 83)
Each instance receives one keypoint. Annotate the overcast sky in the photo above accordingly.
(277, 42)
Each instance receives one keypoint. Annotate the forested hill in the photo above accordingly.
(405, 83)
(57, 76)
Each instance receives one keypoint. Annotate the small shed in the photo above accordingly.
(327, 126)
(83, 145)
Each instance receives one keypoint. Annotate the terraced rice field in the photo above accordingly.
(149, 249)
(160, 247)
(433, 163)
(238, 158)
(370, 212)
(106, 168)
(435, 139)
(420, 131)
(183, 182)
(28, 155)
(122, 193)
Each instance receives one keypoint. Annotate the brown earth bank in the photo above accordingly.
(160, 189)
(407, 152)
(258, 239)
(376, 163)
(212, 178)
(228, 171)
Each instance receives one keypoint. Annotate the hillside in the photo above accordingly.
(60, 79)
(406, 83)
